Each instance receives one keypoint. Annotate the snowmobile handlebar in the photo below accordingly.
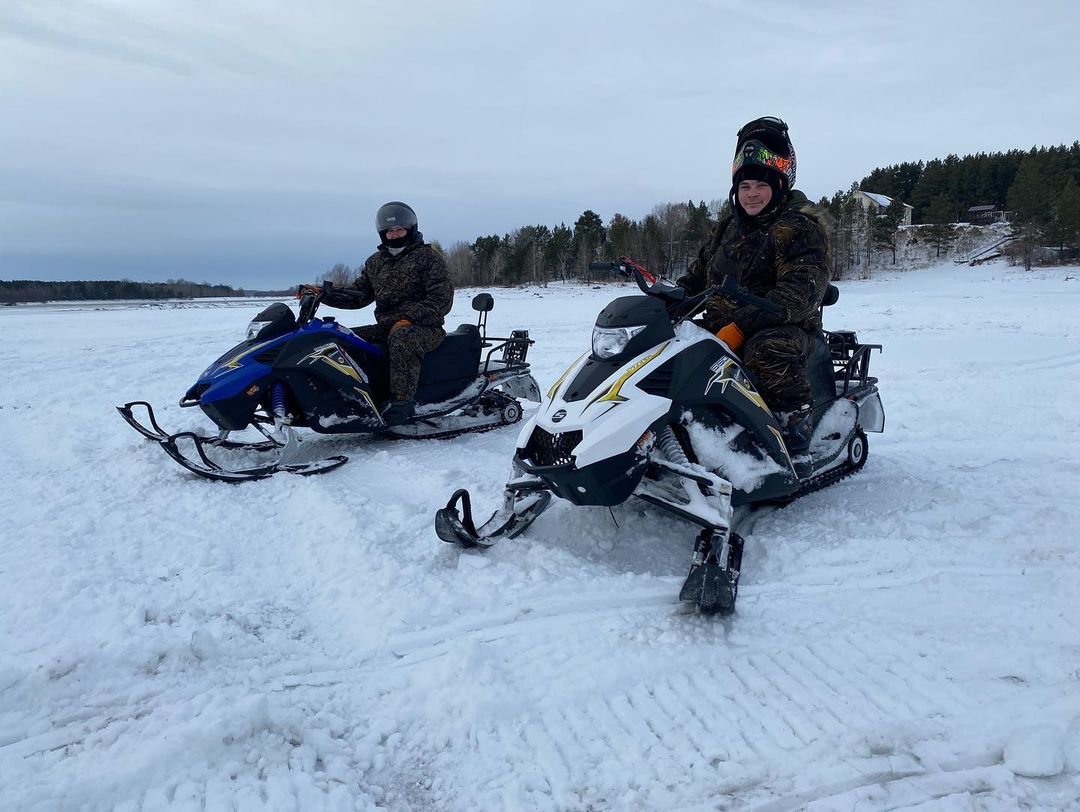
(310, 296)
(628, 267)
(679, 305)
(729, 287)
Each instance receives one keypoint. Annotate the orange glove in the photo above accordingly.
(731, 335)
(398, 325)
(305, 290)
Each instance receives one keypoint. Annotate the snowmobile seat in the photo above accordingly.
(819, 369)
(450, 366)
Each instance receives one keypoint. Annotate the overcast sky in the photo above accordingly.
(251, 142)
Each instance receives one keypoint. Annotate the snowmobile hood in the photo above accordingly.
(605, 402)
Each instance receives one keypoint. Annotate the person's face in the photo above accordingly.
(754, 195)
(396, 233)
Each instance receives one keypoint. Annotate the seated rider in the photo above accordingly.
(409, 283)
(776, 249)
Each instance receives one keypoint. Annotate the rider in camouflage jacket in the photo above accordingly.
(410, 285)
(776, 250)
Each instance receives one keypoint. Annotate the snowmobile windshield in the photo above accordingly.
(254, 328)
(275, 320)
(607, 342)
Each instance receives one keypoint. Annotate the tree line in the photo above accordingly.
(23, 290)
(1038, 187)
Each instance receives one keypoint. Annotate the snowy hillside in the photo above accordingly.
(906, 639)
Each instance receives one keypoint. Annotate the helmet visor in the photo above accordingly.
(393, 215)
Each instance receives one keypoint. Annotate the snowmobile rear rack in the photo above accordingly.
(851, 360)
(515, 349)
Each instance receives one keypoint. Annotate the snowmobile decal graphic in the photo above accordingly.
(612, 394)
(783, 445)
(555, 386)
(332, 355)
(234, 362)
(726, 371)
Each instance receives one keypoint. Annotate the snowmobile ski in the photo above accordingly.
(524, 500)
(153, 431)
(208, 469)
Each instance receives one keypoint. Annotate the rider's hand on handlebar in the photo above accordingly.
(307, 290)
(731, 335)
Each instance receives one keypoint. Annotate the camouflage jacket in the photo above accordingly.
(785, 260)
(413, 285)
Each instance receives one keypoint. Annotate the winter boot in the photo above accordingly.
(398, 411)
(797, 429)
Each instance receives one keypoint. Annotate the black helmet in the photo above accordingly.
(396, 214)
(764, 143)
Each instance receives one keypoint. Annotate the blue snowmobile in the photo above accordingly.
(302, 371)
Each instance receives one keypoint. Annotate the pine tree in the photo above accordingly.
(884, 228)
(1027, 200)
(1067, 223)
(941, 233)
(588, 235)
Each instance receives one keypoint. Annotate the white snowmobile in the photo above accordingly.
(662, 410)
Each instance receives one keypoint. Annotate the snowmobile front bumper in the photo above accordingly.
(605, 483)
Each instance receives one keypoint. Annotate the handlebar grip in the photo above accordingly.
(765, 305)
(600, 265)
(729, 286)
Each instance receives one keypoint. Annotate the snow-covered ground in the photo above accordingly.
(906, 639)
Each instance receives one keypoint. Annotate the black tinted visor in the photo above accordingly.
(394, 215)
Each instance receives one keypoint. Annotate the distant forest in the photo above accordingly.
(1036, 191)
(22, 290)
(1037, 188)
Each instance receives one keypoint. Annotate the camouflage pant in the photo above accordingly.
(405, 351)
(776, 357)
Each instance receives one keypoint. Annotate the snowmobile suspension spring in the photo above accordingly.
(277, 399)
(671, 447)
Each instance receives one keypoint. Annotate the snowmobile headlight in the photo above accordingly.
(608, 342)
(255, 328)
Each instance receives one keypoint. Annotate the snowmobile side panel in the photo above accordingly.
(524, 387)
(871, 412)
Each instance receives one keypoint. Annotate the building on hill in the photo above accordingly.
(985, 215)
(876, 204)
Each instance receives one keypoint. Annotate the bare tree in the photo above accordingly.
(672, 219)
(341, 275)
(459, 262)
